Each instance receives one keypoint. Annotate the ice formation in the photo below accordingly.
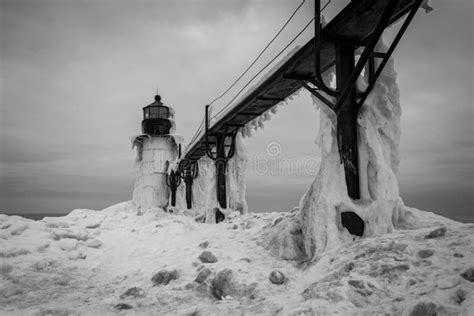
(323, 208)
(258, 122)
(380, 206)
(154, 156)
(204, 200)
(326, 201)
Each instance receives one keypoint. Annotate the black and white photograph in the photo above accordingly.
(236, 157)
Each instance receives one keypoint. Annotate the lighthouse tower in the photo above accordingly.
(156, 148)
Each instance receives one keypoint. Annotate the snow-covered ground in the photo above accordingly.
(88, 262)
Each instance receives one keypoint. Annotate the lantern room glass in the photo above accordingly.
(155, 112)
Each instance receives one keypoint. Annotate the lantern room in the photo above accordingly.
(156, 118)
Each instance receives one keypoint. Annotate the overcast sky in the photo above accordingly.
(75, 75)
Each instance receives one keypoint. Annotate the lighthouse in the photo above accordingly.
(156, 149)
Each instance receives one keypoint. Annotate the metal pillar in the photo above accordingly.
(221, 168)
(220, 156)
(188, 169)
(347, 119)
(173, 180)
(188, 181)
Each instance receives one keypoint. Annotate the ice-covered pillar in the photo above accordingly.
(328, 214)
(156, 148)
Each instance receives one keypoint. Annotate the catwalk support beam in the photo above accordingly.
(188, 169)
(221, 169)
(347, 120)
(224, 150)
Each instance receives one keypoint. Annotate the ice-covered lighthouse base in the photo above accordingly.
(322, 223)
(153, 156)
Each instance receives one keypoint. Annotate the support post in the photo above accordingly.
(173, 197)
(221, 166)
(347, 120)
(188, 181)
(220, 157)
(188, 170)
(173, 180)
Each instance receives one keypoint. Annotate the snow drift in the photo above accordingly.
(121, 261)
(328, 217)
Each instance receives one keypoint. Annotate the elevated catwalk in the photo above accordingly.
(353, 25)
(359, 25)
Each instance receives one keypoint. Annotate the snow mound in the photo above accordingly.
(112, 266)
